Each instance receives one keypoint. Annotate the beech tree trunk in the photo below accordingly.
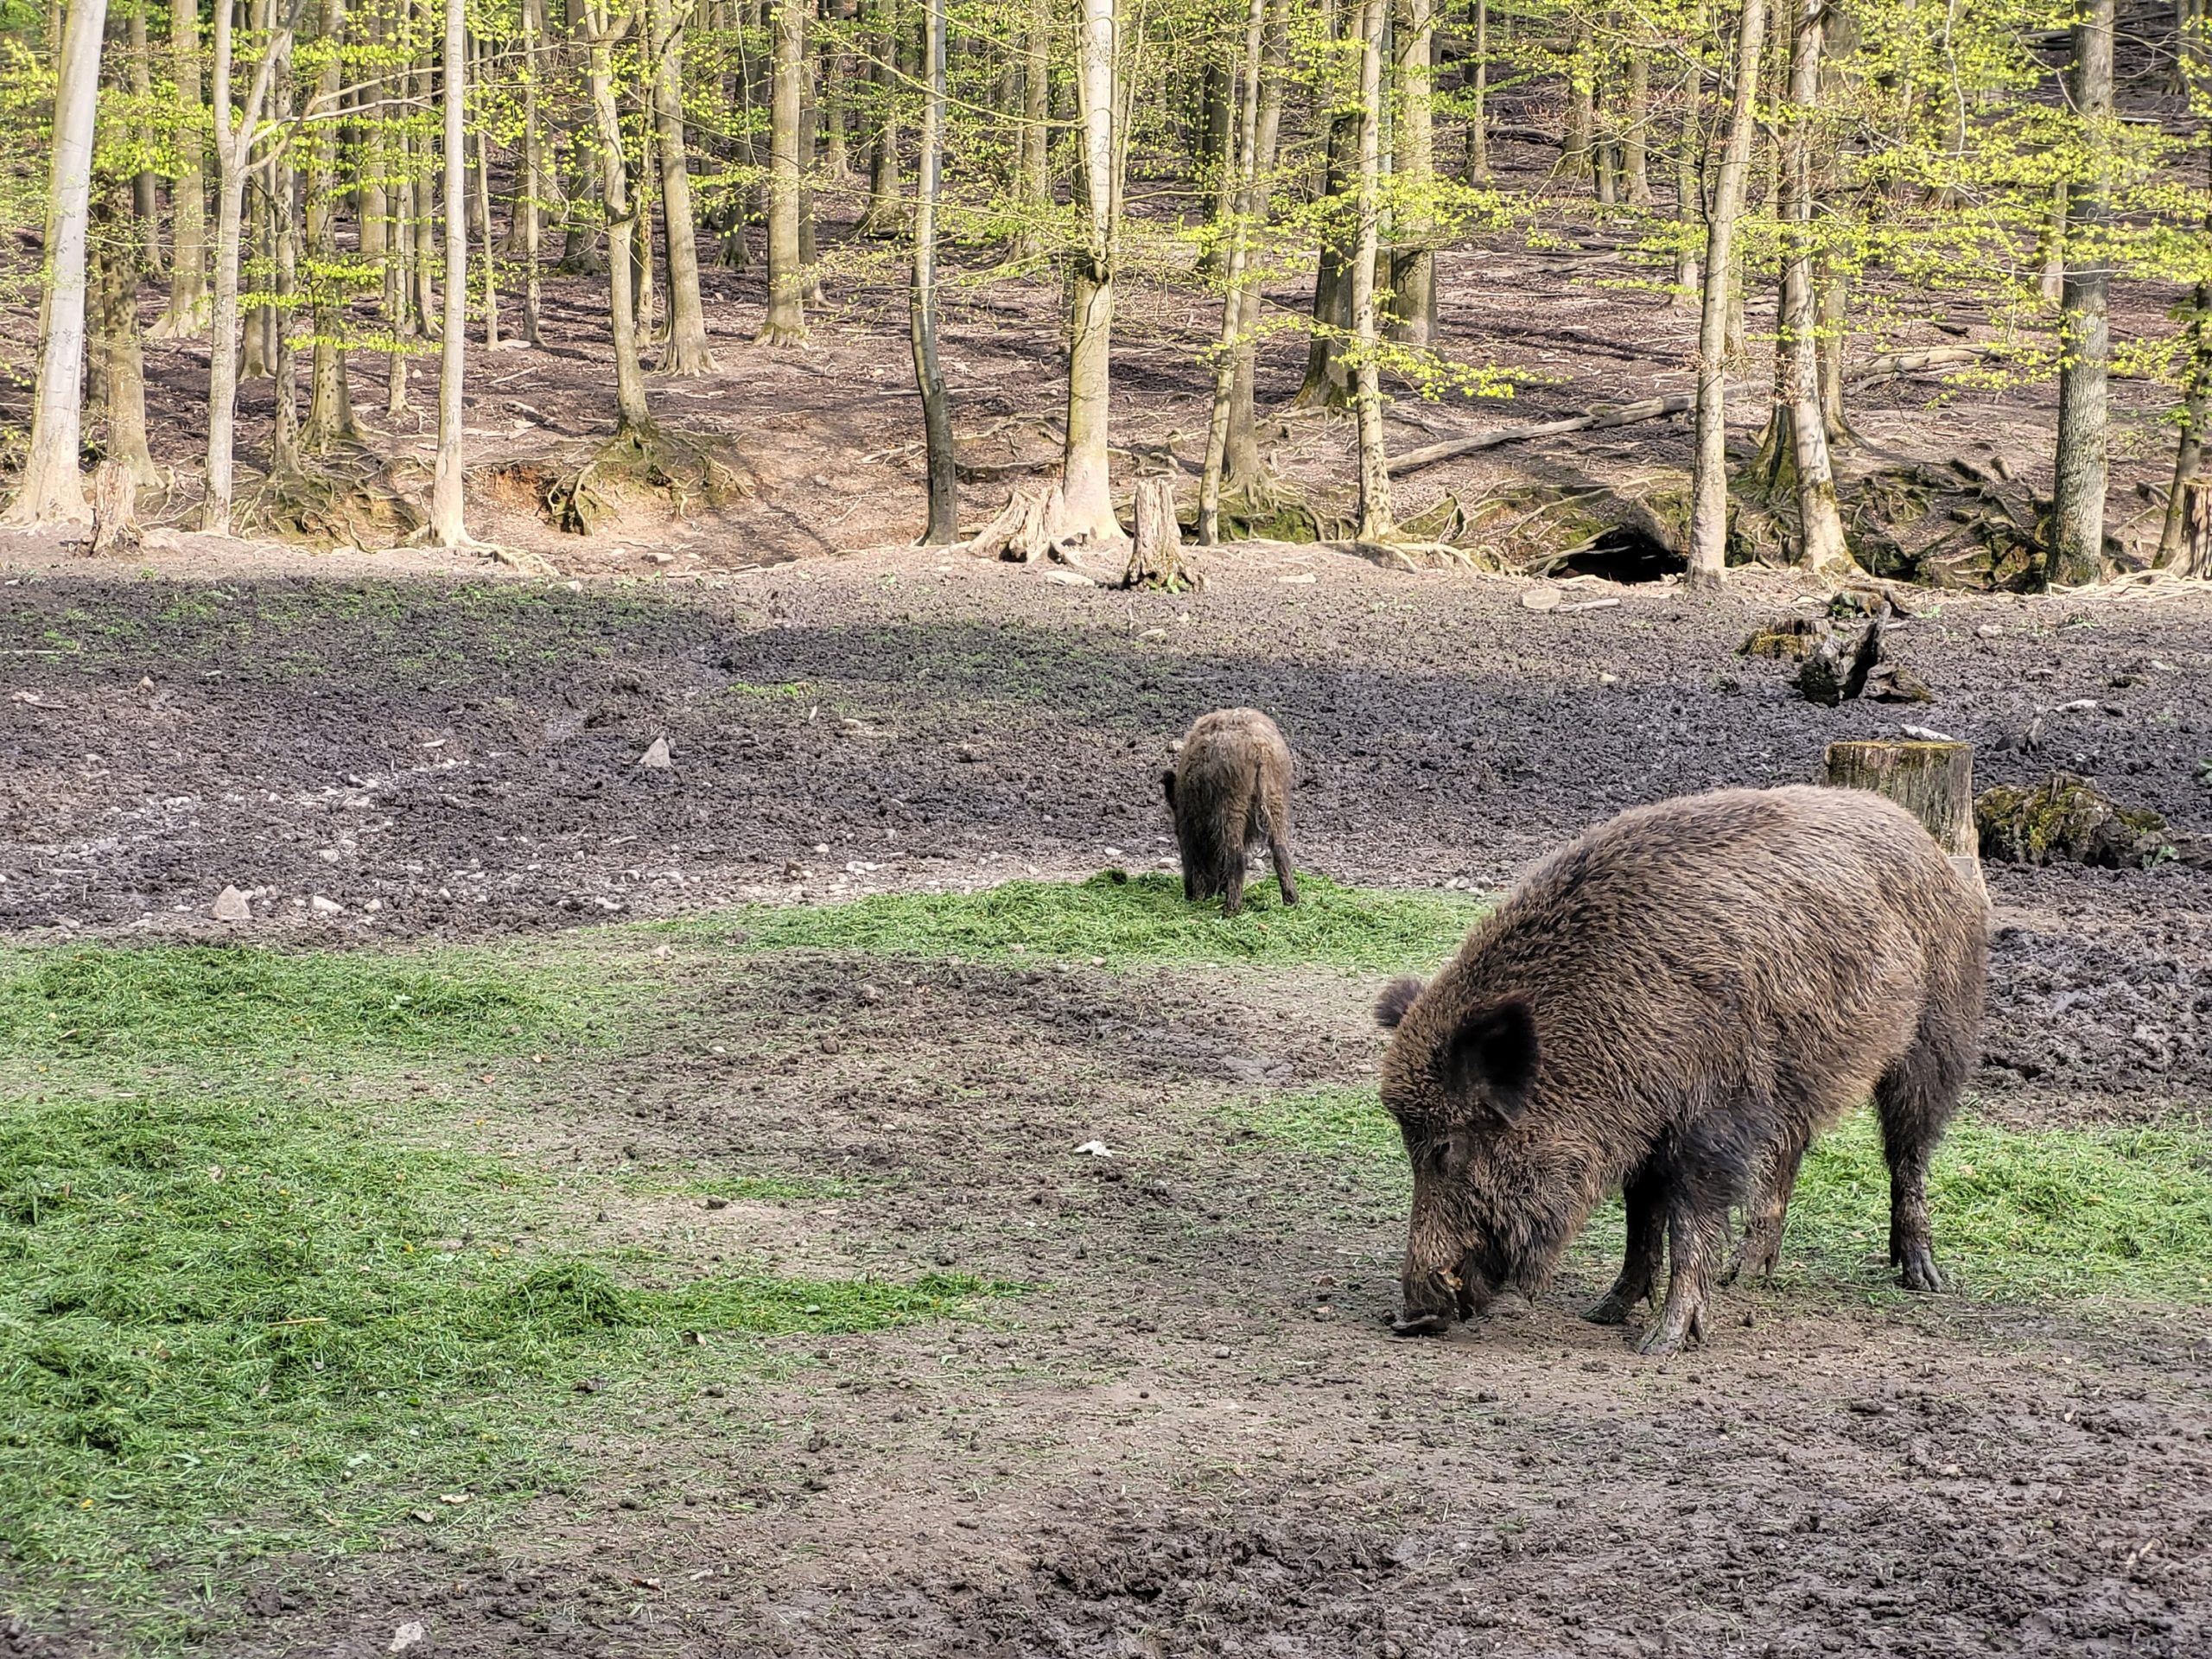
(1375, 514)
(330, 399)
(528, 203)
(1478, 96)
(1708, 547)
(53, 488)
(786, 324)
(632, 415)
(2190, 485)
(145, 192)
(937, 418)
(1242, 460)
(688, 354)
(186, 315)
(2077, 546)
(1820, 544)
(1085, 485)
(117, 261)
(1245, 141)
(448, 527)
(1412, 263)
(480, 187)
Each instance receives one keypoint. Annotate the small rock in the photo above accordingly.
(1988, 631)
(231, 905)
(1540, 599)
(323, 907)
(166, 541)
(717, 1204)
(1221, 1353)
(1096, 1149)
(658, 757)
(406, 1636)
(1070, 579)
(590, 1384)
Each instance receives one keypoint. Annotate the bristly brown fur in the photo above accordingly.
(1398, 996)
(1230, 791)
(1676, 1004)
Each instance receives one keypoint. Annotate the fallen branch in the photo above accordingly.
(1650, 409)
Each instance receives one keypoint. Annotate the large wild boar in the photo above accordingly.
(1676, 1003)
(1229, 791)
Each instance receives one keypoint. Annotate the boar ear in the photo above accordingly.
(1397, 999)
(1167, 782)
(1491, 1061)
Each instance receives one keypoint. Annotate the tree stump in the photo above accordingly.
(1932, 781)
(1156, 561)
(115, 509)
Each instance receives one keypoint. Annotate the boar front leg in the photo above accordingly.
(1696, 1238)
(1644, 1197)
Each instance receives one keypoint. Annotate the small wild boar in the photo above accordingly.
(1675, 1004)
(1230, 791)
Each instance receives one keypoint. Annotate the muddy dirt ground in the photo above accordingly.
(1194, 1437)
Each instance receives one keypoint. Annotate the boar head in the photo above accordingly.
(1457, 1079)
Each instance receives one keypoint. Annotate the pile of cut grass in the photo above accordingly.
(2123, 1213)
(1122, 920)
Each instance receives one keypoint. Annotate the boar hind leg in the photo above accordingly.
(1232, 890)
(1279, 850)
(1644, 1200)
(1756, 1258)
(1915, 1100)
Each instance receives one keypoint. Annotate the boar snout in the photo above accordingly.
(1429, 1301)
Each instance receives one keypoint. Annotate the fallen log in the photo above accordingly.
(1603, 415)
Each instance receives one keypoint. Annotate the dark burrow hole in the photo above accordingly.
(1624, 554)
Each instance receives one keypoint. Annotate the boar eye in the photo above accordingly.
(1446, 1156)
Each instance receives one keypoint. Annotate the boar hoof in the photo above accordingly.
(1917, 1270)
(1610, 1309)
(1422, 1325)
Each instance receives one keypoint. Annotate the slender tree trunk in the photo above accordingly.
(1478, 111)
(399, 284)
(145, 193)
(448, 526)
(2196, 416)
(936, 417)
(53, 488)
(1034, 187)
(529, 203)
(330, 398)
(1575, 156)
(283, 267)
(233, 145)
(786, 323)
(2077, 547)
(116, 255)
(835, 70)
(1086, 489)
(1412, 264)
(1327, 380)
(1708, 549)
(375, 213)
(482, 184)
(1242, 158)
(186, 315)
(1375, 514)
(426, 296)
(1689, 174)
(885, 209)
(632, 415)
(1822, 545)
(1246, 468)
(1635, 150)
(687, 354)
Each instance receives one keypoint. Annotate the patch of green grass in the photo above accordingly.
(252, 1322)
(139, 1003)
(2077, 1213)
(1124, 919)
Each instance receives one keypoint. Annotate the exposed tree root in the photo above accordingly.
(354, 498)
(681, 470)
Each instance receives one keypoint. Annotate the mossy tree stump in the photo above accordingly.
(1932, 781)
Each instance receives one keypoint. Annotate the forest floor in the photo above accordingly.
(790, 1201)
